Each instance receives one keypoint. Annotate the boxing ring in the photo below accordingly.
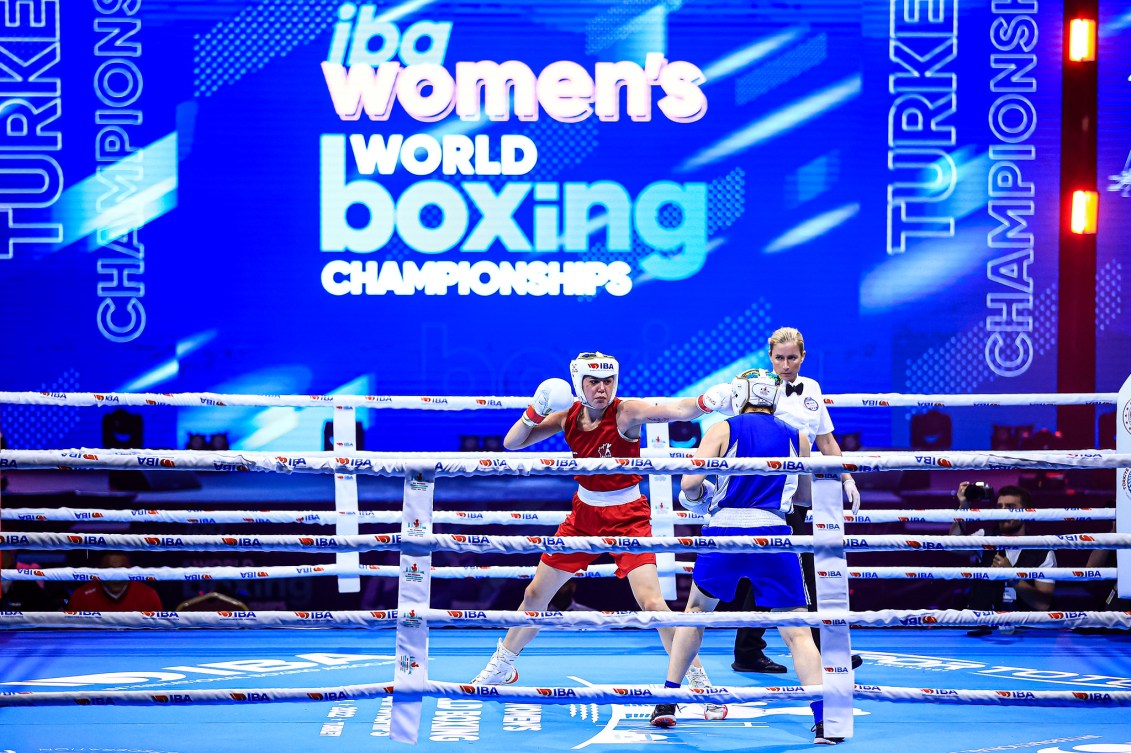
(75, 683)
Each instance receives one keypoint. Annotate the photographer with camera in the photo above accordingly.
(1029, 594)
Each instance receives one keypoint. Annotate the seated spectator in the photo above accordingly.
(27, 595)
(1026, 594)
(1107, 591)
(114, 595)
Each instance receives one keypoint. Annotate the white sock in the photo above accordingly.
(505, 653)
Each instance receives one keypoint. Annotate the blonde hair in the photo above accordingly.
(784, 335)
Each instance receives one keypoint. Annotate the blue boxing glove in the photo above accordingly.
(700, 504)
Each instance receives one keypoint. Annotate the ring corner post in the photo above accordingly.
(1123, 487)
(660, 497)
(345, 499)
(410, 675)
(831, 575)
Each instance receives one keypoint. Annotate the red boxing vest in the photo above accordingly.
(603, 442)
(137, 598)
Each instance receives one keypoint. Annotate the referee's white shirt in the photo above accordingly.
(805, 412)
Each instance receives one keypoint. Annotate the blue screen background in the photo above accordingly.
(794, 151)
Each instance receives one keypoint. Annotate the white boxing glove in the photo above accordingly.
(698, 506)
(717, 398)
(552, 395)
(852, 493)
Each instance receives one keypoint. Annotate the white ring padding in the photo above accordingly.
(449, 402)
(379, 619)
(514, 517)
(203, 574)
(456, 542)
(559, 695)
(376, 464)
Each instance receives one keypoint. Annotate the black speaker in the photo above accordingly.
(328, 436)
(1107, 431)
(124, 430)
(930, 431)
(684, 434)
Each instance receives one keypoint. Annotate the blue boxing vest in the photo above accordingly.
(754, 435)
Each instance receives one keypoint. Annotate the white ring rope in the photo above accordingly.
(454, 542)
(515, 517)
(598, 694)
(996, 697)
(565, 621)
(958, 516)
(309, 517)
(371, 463)
(218, 400)
(982, 573)
(448, 402)
(197, 574)
(646, 453)
(551, 695)
(902, 400)
(604, 694)
(379, 619)
(418, 543)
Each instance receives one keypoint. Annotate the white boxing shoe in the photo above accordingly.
(500, 670)
(697, 678)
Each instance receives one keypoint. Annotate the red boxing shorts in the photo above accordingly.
(629, 519)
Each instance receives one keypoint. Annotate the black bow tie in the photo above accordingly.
(792, 390)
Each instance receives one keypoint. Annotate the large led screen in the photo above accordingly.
(447, 198)
(1113, 133)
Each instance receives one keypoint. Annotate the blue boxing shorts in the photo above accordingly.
(775, 577)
